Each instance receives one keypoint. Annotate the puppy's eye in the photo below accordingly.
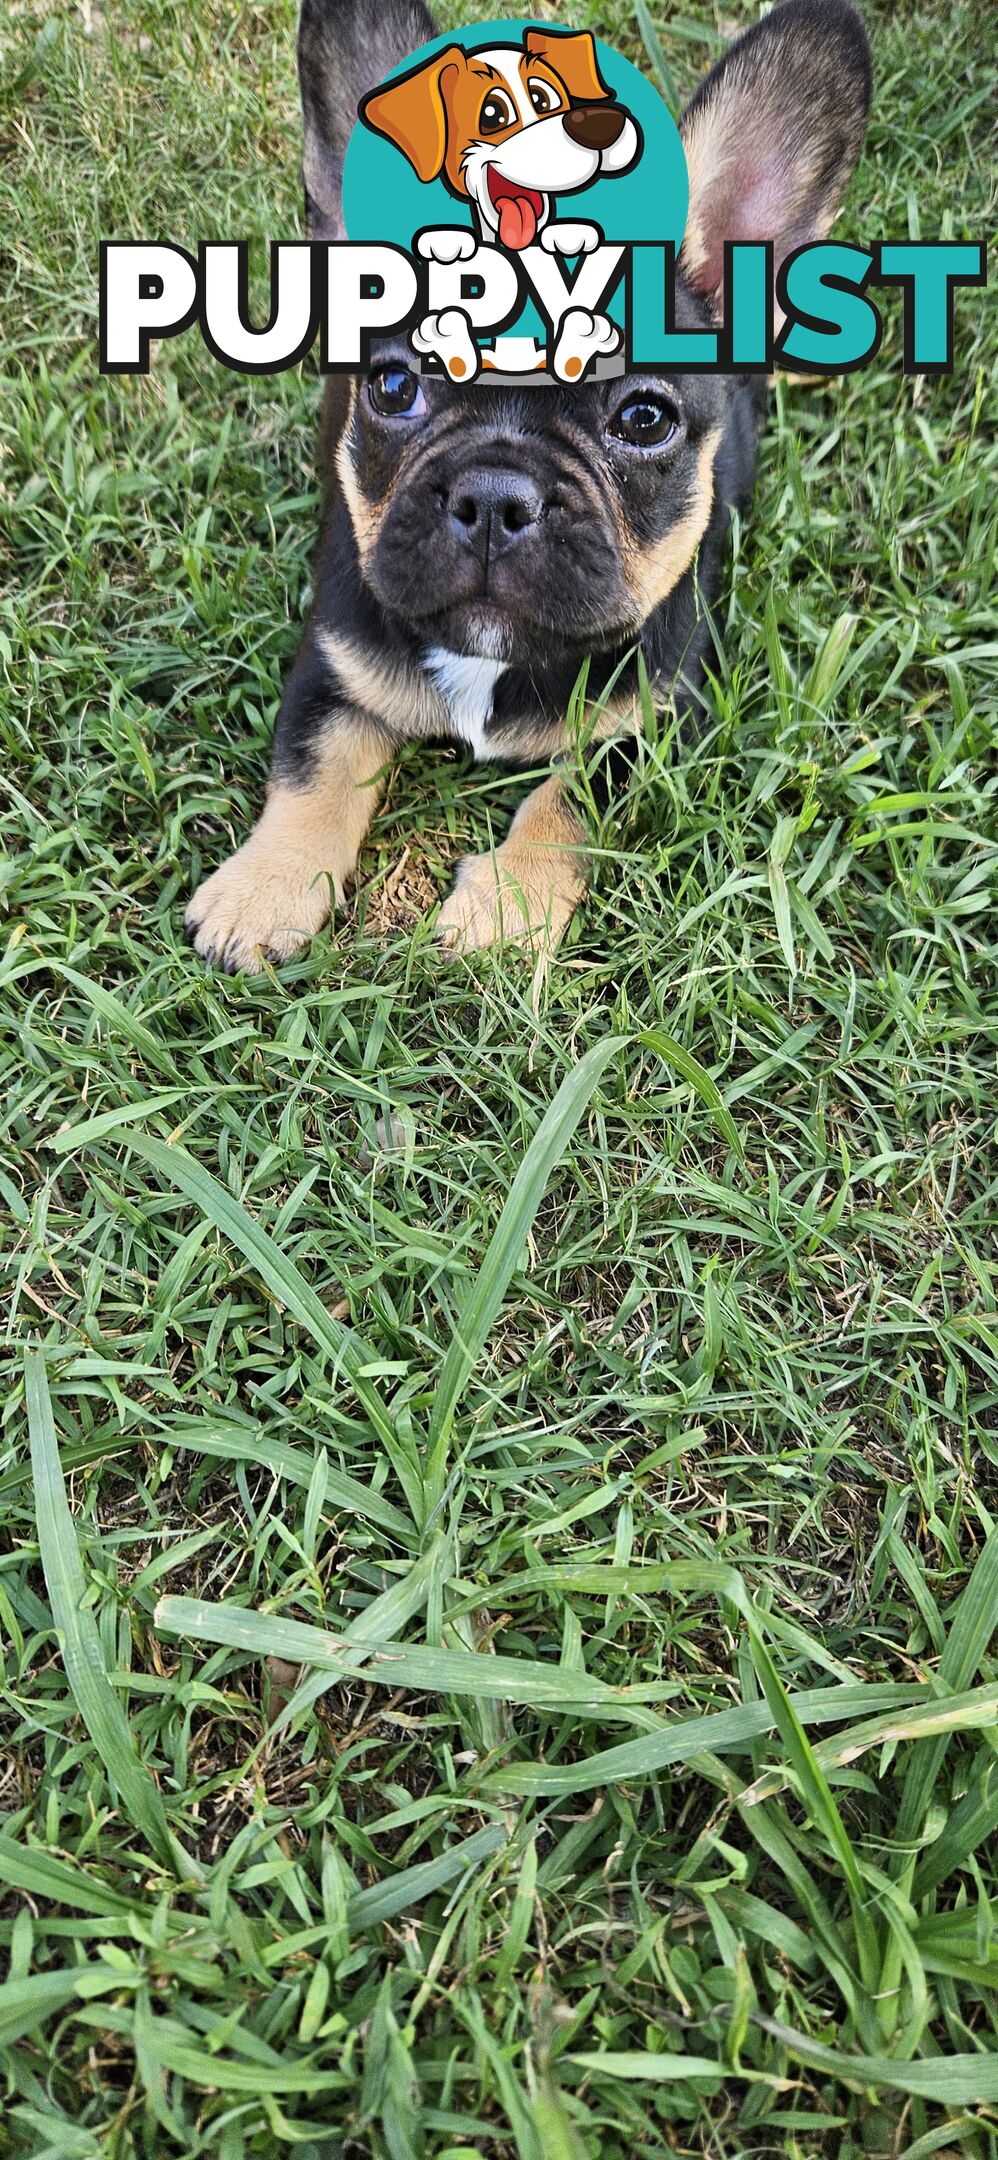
(396, 391)
(647, 421)
(543, 97)
(496, 113)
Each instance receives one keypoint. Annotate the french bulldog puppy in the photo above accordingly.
(480, 543)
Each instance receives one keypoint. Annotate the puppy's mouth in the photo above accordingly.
(519, 210)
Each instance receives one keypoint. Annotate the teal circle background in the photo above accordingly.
(384, 200)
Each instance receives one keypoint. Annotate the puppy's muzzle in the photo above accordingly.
(491, 509)
(595, 127)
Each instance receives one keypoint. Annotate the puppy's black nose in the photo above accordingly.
(595, 127)
(491, 509)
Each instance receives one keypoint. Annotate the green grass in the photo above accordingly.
(591, 1382)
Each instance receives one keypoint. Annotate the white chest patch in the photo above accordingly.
(467, 685)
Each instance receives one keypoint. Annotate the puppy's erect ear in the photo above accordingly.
(773, 133)
(345, 48)
(572, 55)
(412, 113)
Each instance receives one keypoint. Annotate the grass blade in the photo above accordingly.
(234, 1443)
(718, 1732)
(169, 2043)
(41, 1875)
(25, 2004)
(400, 1893)
(489, 1286)
(348, 1351)
(655, 2069)
(779, 892)
(409, 1665)
(972, 1712)
(969, 1633)
(814, 1791)
(972, 1823)
(951, 2081)
(659, 65)
(689, 1067)
(829, 667)
(76, 1627)
(115, 1015)
(948, 2080)
(556, 2134)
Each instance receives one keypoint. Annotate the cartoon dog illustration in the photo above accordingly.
(509, 127)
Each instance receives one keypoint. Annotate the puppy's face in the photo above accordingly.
(518, 523)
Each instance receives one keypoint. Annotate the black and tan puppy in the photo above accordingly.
(480, 543)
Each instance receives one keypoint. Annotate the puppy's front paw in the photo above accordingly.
(252, 910)
(565, 239)
(277, 890)
(514, 897)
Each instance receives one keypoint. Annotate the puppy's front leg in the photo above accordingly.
(277, 890)
(528, 891)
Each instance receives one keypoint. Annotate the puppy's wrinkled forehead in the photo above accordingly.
(538, 424)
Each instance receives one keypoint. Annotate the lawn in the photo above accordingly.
(495, 1580)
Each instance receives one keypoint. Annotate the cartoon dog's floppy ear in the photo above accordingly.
(345, 48)
(412, 113)
(772, 135)
(572, 55)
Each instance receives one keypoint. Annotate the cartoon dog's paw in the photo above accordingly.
(564, 239)
(518, 896)
(448, 337)
(582, 339)
(252, 910)
(449, 245)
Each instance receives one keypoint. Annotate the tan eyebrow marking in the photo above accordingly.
(535, 64)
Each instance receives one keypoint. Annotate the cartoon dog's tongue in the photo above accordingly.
(517, 221)
(519, 211)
